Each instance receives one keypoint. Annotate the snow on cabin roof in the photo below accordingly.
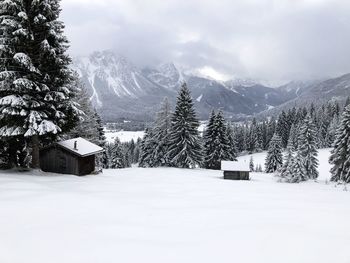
(242, 166)
(83, 147)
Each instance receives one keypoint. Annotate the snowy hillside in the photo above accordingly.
(170, 215)
(119, 89)
(316, 92)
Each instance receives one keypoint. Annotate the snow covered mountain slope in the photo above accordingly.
(166, 75)
(317, 92)
(119, 89)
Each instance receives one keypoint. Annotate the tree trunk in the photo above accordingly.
(35, 152)
(12, 154)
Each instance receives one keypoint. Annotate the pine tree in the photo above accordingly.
(147, 147)
(340, 156)
(87, 126)
(217, 144)
(231, 135)
(308, 147)
(161, 133)
(208, 138)
(101, 141)
(273, 160)
(251, 164)
(331, 132)
(288, 163)
(283, 128)
(271, 127)
(297, 173)
(136, 155)
(117, 158)
(36, 95)
(185, 149)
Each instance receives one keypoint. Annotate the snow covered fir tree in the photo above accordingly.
(161, 135)
(308, 147)
(340, 156)
(185, 150)
(274, 155)
(217, 145)
(36, 95)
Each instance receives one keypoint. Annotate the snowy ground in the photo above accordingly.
(170, 215)
(127, 136)
(124, 136)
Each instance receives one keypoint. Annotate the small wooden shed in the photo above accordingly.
(75, 156)
(234, 170)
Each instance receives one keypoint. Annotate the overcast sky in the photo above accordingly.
(260, 39)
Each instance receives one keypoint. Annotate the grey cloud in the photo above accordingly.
(264, 39)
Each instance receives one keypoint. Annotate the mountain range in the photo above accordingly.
(121, 90)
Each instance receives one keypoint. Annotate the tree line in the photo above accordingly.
(174, 139)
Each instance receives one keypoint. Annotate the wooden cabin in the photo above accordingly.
(75, 156)
(234, 170)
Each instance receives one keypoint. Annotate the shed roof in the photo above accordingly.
(84, 147)
(241, 166)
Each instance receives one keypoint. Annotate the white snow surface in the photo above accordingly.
(199, 98)
(124, 136)
(170, 215)
(242, 165)
(84, 147)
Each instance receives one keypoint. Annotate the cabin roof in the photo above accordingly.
(84, 147)
(241, 166)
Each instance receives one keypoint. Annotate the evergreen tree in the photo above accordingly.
(136, 155)
(308, 147)
(273, 160)
(36, 95)
(340, 156)
(117, 158)
(217, 144)
(331, 132)
(231, 135)
(161, 135)
(296, 171)
(147, 147)
(288, 164)
(87, 126)
(282, 128)
(185, 149)
(271, 127)
(101, 141)
(251, 164)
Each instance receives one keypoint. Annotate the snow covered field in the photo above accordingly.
(124, 136)
(323, 156)
(127, 136)
(170, 215)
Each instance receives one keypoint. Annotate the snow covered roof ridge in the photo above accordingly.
(81, 147)
(242, 166)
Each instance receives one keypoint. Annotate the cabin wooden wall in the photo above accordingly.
(58, 160)
(236, 175)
